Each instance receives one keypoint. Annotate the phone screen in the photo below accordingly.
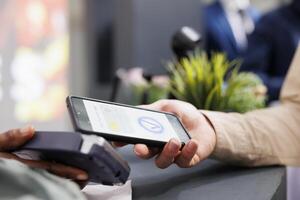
(127, 121)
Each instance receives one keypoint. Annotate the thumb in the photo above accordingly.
(15, 138)
(158, 105)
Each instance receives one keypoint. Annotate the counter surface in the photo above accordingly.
(209, 180)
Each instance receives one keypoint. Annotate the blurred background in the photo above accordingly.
(52, 48)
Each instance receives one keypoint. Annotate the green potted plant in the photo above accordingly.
(215, 84)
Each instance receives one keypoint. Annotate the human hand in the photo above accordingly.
(15, 138)
(197, 149)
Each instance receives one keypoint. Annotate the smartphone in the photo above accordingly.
(124, 123)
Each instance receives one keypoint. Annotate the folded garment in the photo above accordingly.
(102, 192)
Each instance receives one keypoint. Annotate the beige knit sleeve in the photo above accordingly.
(262, 137)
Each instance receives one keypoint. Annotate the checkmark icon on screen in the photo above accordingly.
(150, 125)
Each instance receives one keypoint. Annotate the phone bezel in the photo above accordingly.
(111, 137)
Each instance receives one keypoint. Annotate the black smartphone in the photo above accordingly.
(124, 123)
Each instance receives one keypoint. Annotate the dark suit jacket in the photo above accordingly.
(272, 46)
(217, 31)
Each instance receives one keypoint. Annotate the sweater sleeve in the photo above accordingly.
(268, 136)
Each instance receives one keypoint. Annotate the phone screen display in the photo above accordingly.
(127, 121)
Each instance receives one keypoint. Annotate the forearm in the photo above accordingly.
(263, 137)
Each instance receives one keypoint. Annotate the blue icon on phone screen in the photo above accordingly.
(150, 125)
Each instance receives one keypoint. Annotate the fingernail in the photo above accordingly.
(190, 145)
(136, 152)
(173, 145)
(27, 131)
(82, 177)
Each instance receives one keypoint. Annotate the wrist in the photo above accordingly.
(212, 131)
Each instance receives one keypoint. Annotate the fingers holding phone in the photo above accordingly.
(159, 129)
(194, 151)
(171, 153)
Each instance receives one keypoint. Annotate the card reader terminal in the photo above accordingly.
(90, 153)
